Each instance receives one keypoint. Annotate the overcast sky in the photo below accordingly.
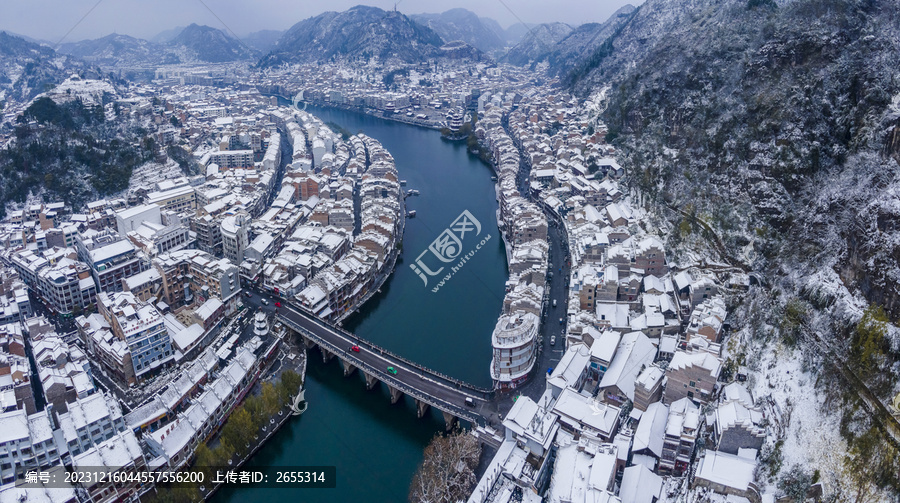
(52, 20)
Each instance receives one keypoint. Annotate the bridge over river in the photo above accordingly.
(427, 387)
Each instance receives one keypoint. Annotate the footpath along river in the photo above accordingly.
(374, 445)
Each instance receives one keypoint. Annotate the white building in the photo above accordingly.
(515, 348)
(37, 440)
(235, 236)
(131, 218)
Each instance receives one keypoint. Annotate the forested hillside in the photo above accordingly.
(72, 152)
(776, 124)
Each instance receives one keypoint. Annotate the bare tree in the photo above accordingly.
(447, 472)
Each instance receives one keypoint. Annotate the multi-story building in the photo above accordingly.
(176, 199)
(111, 353)
(110, 257)
(15, 370)
(682, 427)
(89, 422)
(648, 387)
(118, 456)
(335, 290)
(306, 185)
(45, 438)
(190, 276)
(14, 303)
(57, 277)
(515, 348)
(130, 219)
(692, 376)
(154, 238)
(63, 370)
(232, 159)
(702, 288)
(209, 233)
(26, 441)
(707, 320)
(729, 475)
(649, 435)
(650, 256)
(235, 236)
(142, 327)
(585, 281)
(61, 237)
(738, 423)
(144, 285)
(635, 351)
(582, 416)
(176, 441)
(272, 157)
(603, 349)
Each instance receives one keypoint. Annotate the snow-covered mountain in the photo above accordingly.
(263, 40)
(210, 45)
(120, 51)
(773, 128)
(360, 32)
(748, 108)
(193, 44)
(581, 43)
(28, 69)
(461, 24)
(537, 42)
(776, 125)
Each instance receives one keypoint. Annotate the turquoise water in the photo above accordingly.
(374, 445)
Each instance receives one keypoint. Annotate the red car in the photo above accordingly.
(278, 304)
(354, 348)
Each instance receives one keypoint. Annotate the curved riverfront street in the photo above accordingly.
(375, 445)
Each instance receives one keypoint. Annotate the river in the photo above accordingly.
(374, 445)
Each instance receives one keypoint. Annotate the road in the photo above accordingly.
(557, 288)
(438, 390)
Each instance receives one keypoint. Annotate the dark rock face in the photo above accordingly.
(778, 120)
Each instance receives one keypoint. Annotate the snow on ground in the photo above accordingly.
(797, 415)
(596, 103)
(88, 90)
